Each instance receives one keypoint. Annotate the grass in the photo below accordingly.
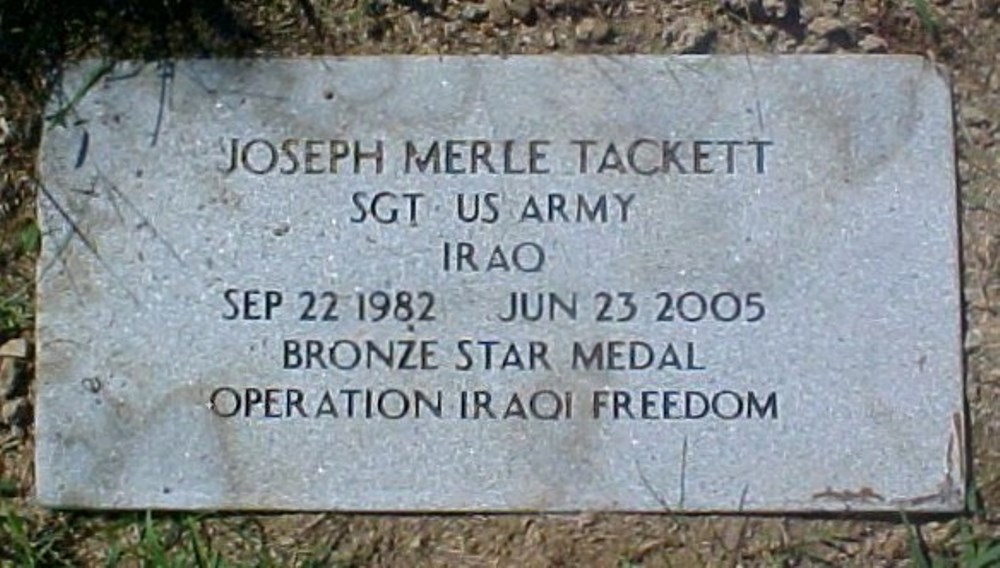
(62, 113)
(928, 21)
(173, 540)
(184, 548)
(163, 542)
(29, 238)
(963, 547)
(24, 542)
(16, 314)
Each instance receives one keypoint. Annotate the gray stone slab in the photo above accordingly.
(747, 267)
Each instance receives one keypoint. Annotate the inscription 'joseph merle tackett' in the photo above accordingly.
(642, 156)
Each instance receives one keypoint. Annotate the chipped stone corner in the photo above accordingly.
(949, 496)
(956, 468)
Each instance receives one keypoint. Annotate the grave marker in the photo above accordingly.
(473, 283)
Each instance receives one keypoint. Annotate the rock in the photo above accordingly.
(550, 40)
(760, 10)
(873, 44)
(974, 338)
(16, 414)
(833, 30)
(691, 35)
(566, 6)
(779, 9)
(15, 348)
(593, 30)
(829, 9)
(474, 13)
(822, 45)
(13, 379)
(751, 7)
(807, 12)
(988, 9)
(771, 34)
(788, 45)
(825, 26)
(523, 10)
(9, 378)
(974, 116)
(499, 14)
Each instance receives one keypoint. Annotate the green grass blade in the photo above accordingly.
(918, 555)
(151, 544)
(59, 116)
(13, 529)
(926, 17)
(985, 557)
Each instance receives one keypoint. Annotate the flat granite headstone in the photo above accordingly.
(485, 284)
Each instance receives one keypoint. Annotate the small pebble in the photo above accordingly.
(499, 14)
(691, 35)
(15, 348)
(523, 10)
(873, 44)
(9, 378)
(824, 26)
(474, 13)
(549, 38)
(593, 30)
(974, 116)
(16, 414)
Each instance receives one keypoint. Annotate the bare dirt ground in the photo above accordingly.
(962, 35)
